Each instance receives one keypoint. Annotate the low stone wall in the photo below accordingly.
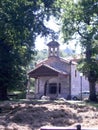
(65, 128)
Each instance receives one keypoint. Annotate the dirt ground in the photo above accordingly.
(32, 115)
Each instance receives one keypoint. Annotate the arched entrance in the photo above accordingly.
(52, 88)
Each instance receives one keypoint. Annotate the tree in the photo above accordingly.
(21, 21)
(80, 20)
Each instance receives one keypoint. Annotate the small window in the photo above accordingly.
(75, 73)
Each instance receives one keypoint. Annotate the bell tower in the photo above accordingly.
(53, 49)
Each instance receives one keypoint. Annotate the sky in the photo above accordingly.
(41, 42)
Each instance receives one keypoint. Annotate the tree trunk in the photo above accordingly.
(3, 93)
(92, 77)
(92, 87)
(92, 91)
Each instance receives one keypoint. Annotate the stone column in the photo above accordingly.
(58, 87)
(47, 88)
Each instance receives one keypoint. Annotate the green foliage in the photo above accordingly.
(80, 20)
(21, 21)
(41, 55)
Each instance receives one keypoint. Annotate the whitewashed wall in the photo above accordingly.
(60, 79)
(76, 81)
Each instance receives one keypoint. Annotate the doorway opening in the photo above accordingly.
(53, 88)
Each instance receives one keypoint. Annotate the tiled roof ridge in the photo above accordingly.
(62, 72)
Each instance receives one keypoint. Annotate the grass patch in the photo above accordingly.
(95, 104)
(17, 95)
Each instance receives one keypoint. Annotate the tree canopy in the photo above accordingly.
(21, 21)
(80, 21)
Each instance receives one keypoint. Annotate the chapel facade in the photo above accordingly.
(57, 77)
